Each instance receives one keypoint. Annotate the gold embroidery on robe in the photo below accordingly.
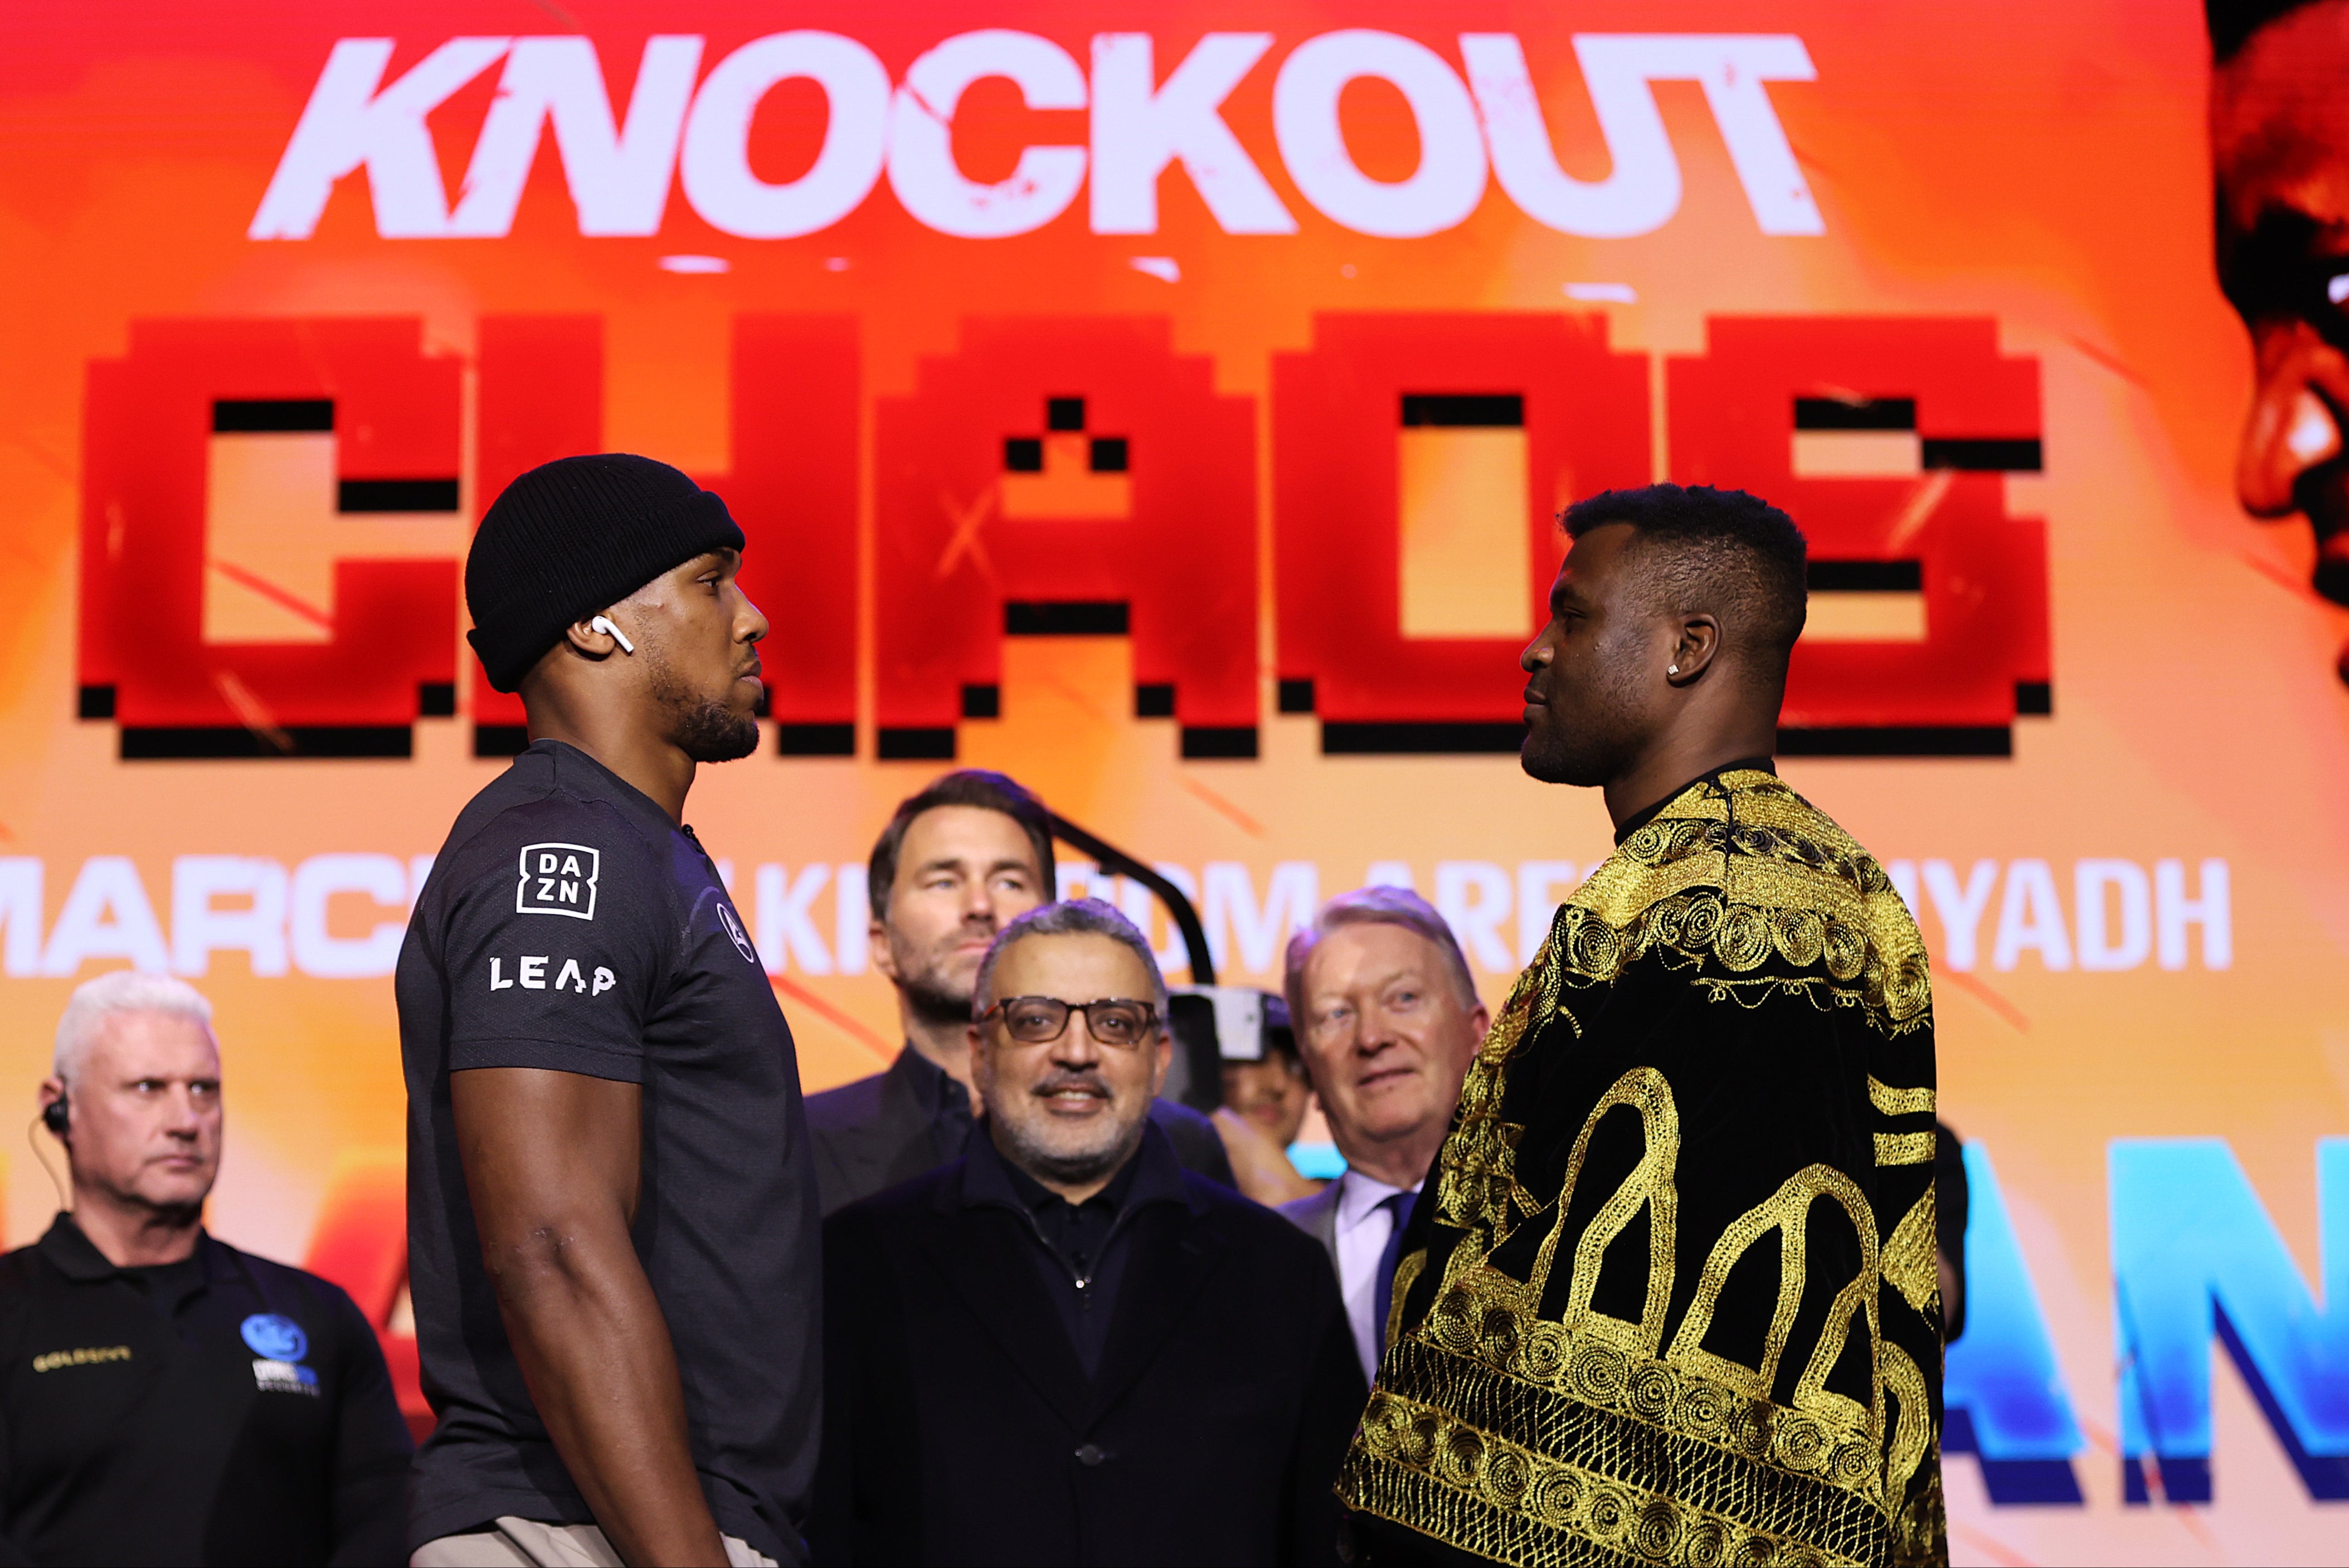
(1518, 1418)
(1899, 1102)
(1904, 1149)
(1911, 1266)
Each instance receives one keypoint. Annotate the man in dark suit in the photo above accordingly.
(1062, 1348)
(956, 863)
(1387, 1020)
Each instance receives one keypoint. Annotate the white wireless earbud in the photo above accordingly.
(604, 624)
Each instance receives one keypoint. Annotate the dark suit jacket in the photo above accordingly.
(960, 1427)
(1317, 1215)
(872, 1134)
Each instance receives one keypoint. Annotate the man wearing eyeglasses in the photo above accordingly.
(957, 861)
(1063, 1347)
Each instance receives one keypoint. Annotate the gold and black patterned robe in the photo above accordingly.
(1676, 1301)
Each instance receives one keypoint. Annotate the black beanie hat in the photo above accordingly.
(573, 536)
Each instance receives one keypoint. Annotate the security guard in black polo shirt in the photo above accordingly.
(165, 1398)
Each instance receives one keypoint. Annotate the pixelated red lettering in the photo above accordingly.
(1886, 440)
(1419, 462)
(1066, 476)
(270, 535)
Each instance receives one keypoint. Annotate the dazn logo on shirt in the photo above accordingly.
(558, 879)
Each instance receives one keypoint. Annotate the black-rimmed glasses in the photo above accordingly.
(1112, 1020)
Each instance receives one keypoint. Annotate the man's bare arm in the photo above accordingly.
(552, 1161)
(1259, 1165)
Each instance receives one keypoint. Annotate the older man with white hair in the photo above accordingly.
(166, 1398)
(1387, 1020)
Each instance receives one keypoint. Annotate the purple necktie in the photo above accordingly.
(1398, 1205)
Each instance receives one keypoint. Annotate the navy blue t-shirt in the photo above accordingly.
(568, 925)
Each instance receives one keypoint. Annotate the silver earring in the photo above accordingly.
(1673, 671)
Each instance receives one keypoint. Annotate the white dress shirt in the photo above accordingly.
(1364, 1229)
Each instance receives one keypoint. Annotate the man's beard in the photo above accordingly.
(704, 728)
(934, 999)
(1563, 759)
(1581, 754)
(1072, 1168)
(928, 980)
(1594, 745)
(712, 732)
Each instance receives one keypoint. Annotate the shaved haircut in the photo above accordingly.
(1725, 553)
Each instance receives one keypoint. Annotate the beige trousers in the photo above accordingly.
(527, 1543)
